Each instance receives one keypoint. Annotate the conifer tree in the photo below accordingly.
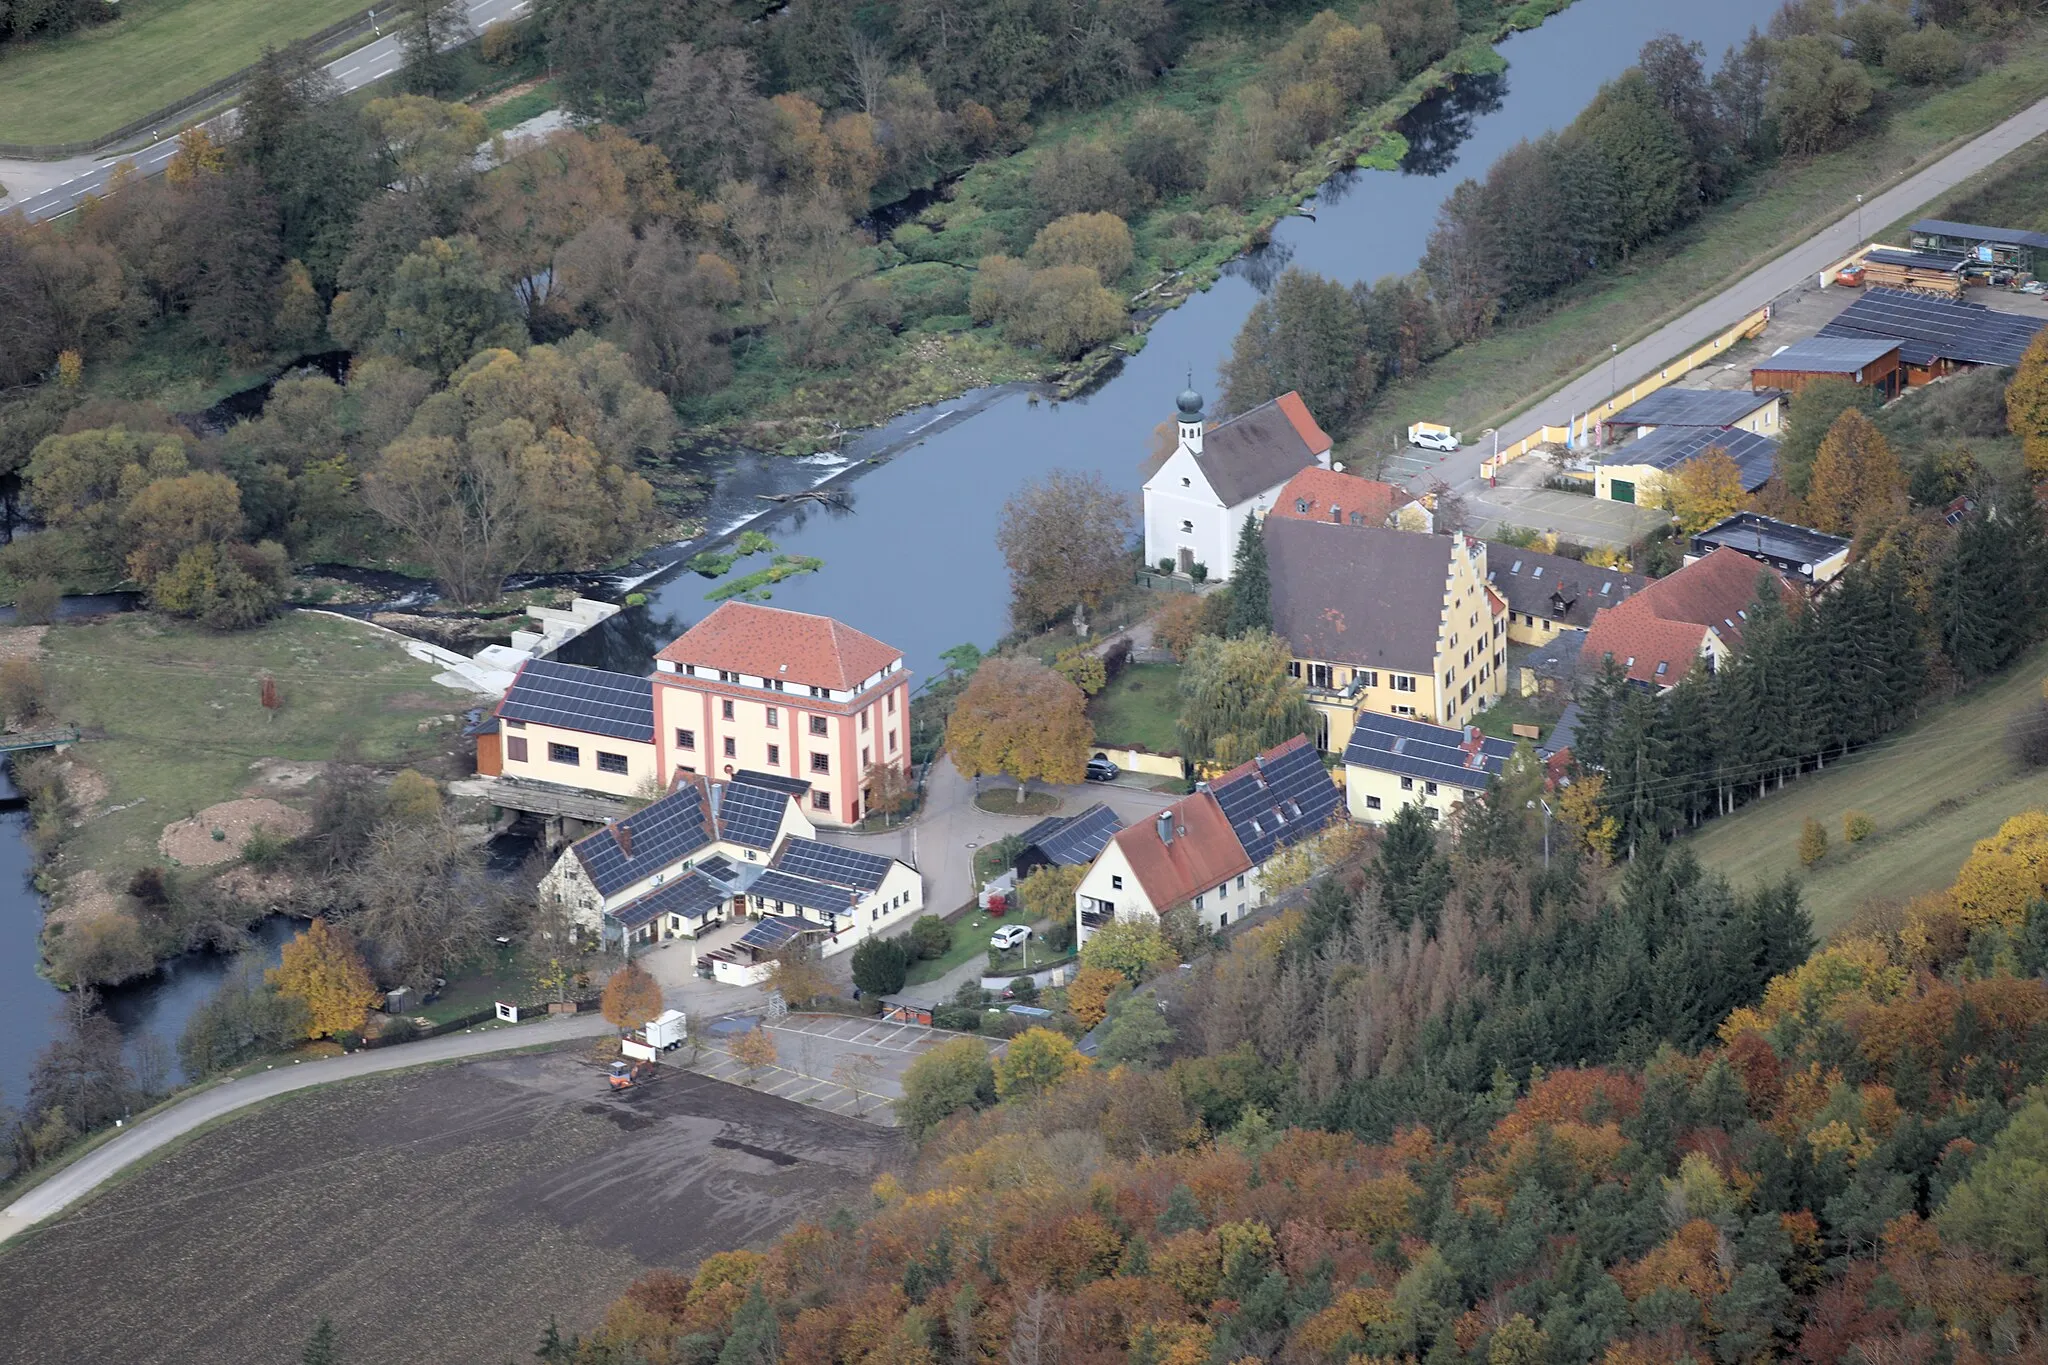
(1251, 590)
(1638, 792)
(321, 1347)
(1414, 877)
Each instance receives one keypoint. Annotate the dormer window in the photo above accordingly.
(1336, 513)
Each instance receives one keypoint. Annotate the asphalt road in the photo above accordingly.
(89, 1172)
(89, 175)
(1717, 314)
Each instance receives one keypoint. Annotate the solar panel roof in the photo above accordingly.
(808, 892)
(577, 698)
(1916, 260)
(772, 935)
(795, 786)
(1413, 748)
(1931, 328)
(1076, 840)
(749, 815)
(717, 865)
(1669, 447)
(1977, 232)
(1694, 407)
(1831, 353)
(662, 834)
(831, 863)
(689, 895)
(1278, 802)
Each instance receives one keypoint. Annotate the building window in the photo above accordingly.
(821, 763)
(820, 692)
(1404, 710)
(774, 715)
(1365, 677)
(1407, 784)
(775, 755)
(686, 739)
(1240, 881)
(1429, 789)
(515, 748)
(515, 724)
(1187, 526)
(864, 759)
(863, 722)
(817, 725)
(565, 753)
(1372, 803)
(1319, 676)
(892, 741)
(1116, 883)
(1301, 505)
(1294, 668)
(725, 709)
(732, 747)
(611, 763)
(1198, 902)
(1401, 682)
(889, 703)
(821, 800)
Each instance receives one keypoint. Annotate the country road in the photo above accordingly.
(1752, 291)
(48, 189)
(88, 1173)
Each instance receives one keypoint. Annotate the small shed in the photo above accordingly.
(1812, 556)
(1994, 248)
(901, 1009)
(490, 748)
(1872, 363)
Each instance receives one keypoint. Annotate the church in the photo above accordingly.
(1198, 496)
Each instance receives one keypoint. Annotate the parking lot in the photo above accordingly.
(846, 1066)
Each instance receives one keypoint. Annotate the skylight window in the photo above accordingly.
(1662, 668)
(1604, 587)
(1515, 567)
(1536, 572)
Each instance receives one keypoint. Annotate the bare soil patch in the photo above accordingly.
(85, 896)
(21, 642)
(438, 1216)
(283, 774)
(191, 843)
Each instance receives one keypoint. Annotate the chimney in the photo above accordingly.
(1260, 761)
(623, 832)
(717, 789)
(1474, 746)
(1166, 827)
(1201, 786)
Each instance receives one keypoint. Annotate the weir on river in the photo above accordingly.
(913, 560)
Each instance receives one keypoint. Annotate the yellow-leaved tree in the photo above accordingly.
(322, 968)
(2005, 872)
(1856, 477)
(2026, 405)
(1037, 1058)
(1021, 719)
(1707, 489)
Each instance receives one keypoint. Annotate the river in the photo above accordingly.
(913, 560)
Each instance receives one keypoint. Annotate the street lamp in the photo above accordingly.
(1613, 364)
(1859, 220)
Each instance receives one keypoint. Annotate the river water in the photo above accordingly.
(913, 559)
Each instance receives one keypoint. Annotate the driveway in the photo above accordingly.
(1521, 500)
(90, 1171)
(849, 1066)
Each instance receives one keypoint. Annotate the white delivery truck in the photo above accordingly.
(663, 1034)
(1433, 436)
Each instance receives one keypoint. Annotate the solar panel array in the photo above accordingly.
(749, 815)
(592, 700)
(1413, 748)
(753, 777)
(662, 834)
(773, 934)
(1932, 328)
(1693, 407)
(808, 892)
(689, 895)
(1669, 447)
(1078, 840)
(1280, 803)
(831, 863)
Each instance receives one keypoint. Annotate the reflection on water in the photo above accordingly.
(1440, 125)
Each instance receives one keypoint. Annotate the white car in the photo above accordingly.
(1434, 440)
(1008, 937)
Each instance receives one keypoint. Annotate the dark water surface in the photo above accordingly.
(914, 561)
(913, 558)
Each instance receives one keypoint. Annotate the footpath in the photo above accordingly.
(94, 1169)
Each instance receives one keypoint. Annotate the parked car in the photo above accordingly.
(1101, 769)
(1008, 937)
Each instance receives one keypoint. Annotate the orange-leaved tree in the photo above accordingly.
(1856, 477)
(1088, 993)
(322, 968)
(2026, 405)
(2005, 873)
(1021, 719)
(631, 998)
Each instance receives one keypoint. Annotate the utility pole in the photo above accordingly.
(1613, 365)
(1859, 220)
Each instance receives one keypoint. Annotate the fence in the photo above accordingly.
(1578, 428)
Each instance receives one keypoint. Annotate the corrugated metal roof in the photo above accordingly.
(1749, 533)
(1830, 353)
(1977, 232)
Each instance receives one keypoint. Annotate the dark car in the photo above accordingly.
(1101, 769)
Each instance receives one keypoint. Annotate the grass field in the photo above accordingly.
(1934, 790)
(1775, 210)
(970, 944)
(159, 51)
(1139, 709)
(174, 722)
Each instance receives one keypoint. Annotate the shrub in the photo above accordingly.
(951, 1077)
(1165, 565)
(1024, 990)
(400, 1030)
(23, 697)
(349, 1039)
(2026, 736)
(1856, 826)
(958, 1018)
(36, 602)
(1099, 241)
(1199, 571)
(929, 938)
(1813, 842)
(879, 966)
(1926, 56)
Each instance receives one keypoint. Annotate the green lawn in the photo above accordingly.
(1138, 710)
(158, 52)
(1482, 384)
(521, 107)
(970, 942)
(173, 720)
(1934, 790)
(1500, 719)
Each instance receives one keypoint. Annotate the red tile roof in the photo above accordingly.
(1335, 497)
(1667, 621)
(1204, 852)
(1297, 413)
(768, 642)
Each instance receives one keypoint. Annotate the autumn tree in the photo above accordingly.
(322, 968)
(422, 897)
(429, 33)
(1067, 539)
(1237, 699)
(1132, 950)
(1099, 241)
(1813, 842)
(1021, 719)
(444, 305)
(412, 798)
(2005, 873)
(1035, 1061)
(1856, 477)
(2026, 405)
(886, 789)
(952, 1076)
(1048, 893)
(755, 1050)
(1083, 667)
(1089, 992)
(798, 975)
(1706, 490)
(24, 697)
(632, 998)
